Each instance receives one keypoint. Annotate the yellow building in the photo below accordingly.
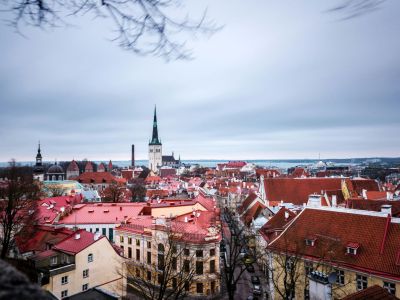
(187, 244)
(78, 263)
(357, 249)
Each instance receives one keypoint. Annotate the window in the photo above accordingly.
(161, 248)
(111, 234)
(362, 282)
(84, 287)
(199, 288)
(340, 277)
(310, 242)
(199, 267)
(352, 248)
(212, 287)
(308, 267)
(390, 287)
(352, 251)
(148, 244)
(64, 280)
(149, 257)
(53, 260)
(186, 265)
(199, 253)
(161, 262)
(129, 240)
(186, 252)
(187, 286)
(159, 278)
(174, 263)
(137, 242)
(148, 275)
(121, 239)
(137, 272)
(212, 252)
(129, 252)
(90, 257)
(174, 282)
(104, 231)
(123, 250)
(212, 266)
(174, 249)
(64, 294)
(137, 254)
(85, 273)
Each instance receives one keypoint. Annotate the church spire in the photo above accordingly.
(154, 138)
(38, 156)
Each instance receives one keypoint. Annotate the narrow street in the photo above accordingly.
(244, 287)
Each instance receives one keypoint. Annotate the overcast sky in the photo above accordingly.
(283, 79)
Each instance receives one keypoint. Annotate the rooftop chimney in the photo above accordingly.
(386, 208)
(77, 236)
(364, 194)
(334, 201)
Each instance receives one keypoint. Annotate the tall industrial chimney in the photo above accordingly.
(133, 156)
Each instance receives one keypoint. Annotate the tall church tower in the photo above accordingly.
(155, 147)
(38, 169)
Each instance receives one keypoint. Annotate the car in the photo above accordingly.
(248, 260)
(242, 253)
(250, 268)
(255, 280)
(257, 289)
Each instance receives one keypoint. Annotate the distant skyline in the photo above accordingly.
(280, 81)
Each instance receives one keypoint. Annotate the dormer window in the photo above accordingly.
(310, 241)
(352, 248)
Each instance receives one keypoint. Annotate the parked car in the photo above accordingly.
(255, 280)
(257, 289)
(248, 259)
(242, 253)
(250, 268)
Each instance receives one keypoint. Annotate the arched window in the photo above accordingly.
(90, 257)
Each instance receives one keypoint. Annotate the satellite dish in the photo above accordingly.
(332, 277)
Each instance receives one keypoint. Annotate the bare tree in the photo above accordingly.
(142, 26)
(289, 268)
(56, 190)
(234, 264)
(18, 207)
(115, 192)
(354, 8)
(138, 191)
(169, 275)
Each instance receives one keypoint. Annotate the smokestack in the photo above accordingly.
(133, 156)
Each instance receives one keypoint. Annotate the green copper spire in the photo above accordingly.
(155, 140)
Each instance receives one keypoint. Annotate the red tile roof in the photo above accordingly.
(98, 178)
(374, 292)
(42, 237)
(277, 223)
(103, 213)
(246, 203)
(252, 213)
(297, 190)
(377, 236)
(73, 166)
(72, 245)
(374, 205)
